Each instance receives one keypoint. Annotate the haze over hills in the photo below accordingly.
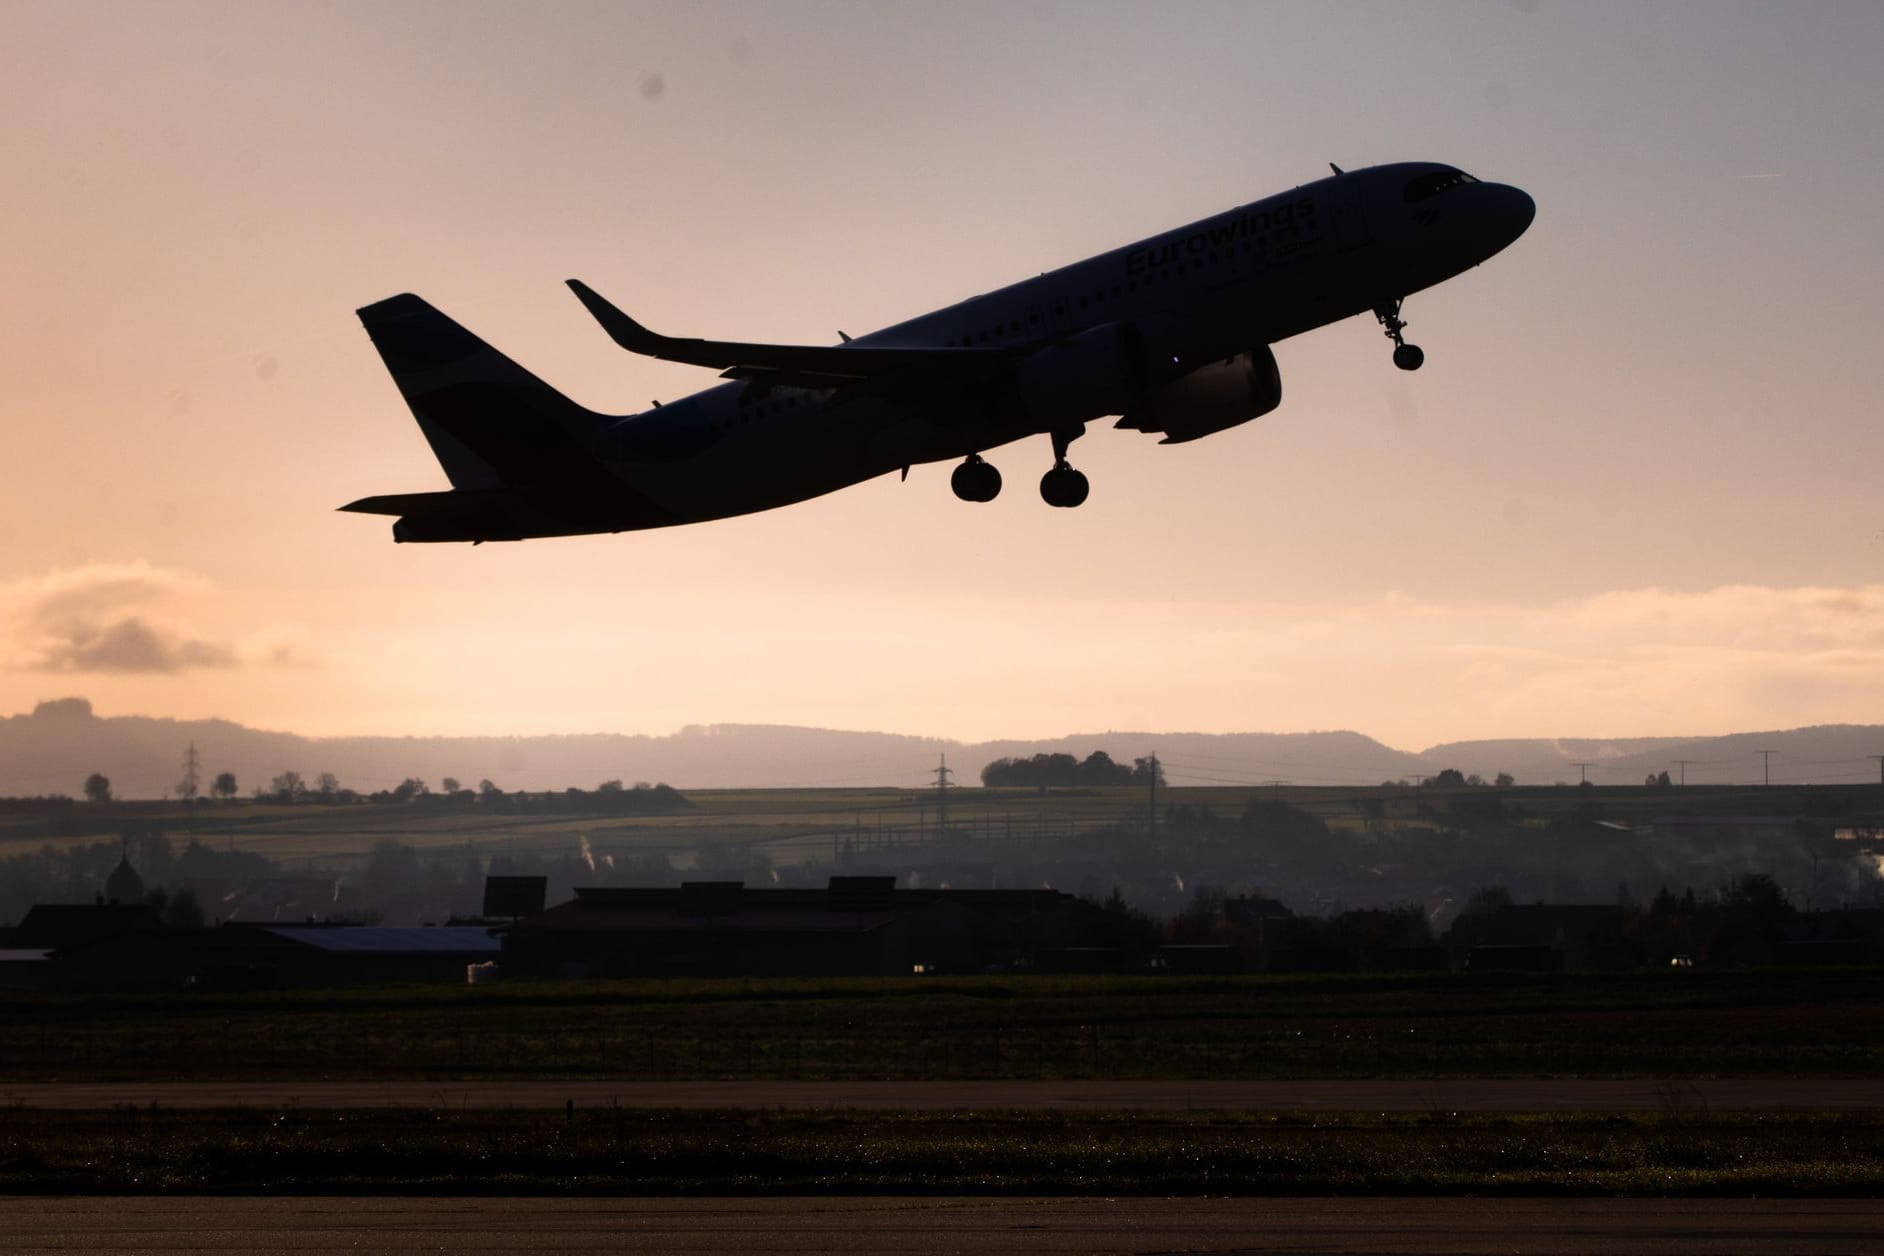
(53, 749)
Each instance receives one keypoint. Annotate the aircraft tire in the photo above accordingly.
(1064, 487)
(1409, 357)
(976, 482)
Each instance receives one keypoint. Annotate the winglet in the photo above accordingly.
(623, 330)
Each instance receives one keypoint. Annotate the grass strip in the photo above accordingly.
(640, 1152)
(1742, 1024)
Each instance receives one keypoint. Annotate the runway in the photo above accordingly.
(1365, 1095)
(102, 1226)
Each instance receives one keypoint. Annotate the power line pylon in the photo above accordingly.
(942, 788)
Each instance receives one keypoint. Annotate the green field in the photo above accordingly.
(1662, 1025)
(1754, 1023)
(794, 826)
(608, 1151)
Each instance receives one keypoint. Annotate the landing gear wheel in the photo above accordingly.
(1405, 356)
(1064, 487)
(976, 481)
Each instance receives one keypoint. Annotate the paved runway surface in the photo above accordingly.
(919, 1227)
(1456, 1095)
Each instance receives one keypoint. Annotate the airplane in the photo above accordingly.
(1171, 335)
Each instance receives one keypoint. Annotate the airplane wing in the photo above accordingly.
(876, 368)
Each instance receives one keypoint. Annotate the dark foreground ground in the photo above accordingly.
(1341, 1094)
(919, 1227)
(623, 1152)
(1766, 1023)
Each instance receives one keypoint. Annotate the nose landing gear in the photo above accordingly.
(1063, 486)
(1405, 356)
(975, 480)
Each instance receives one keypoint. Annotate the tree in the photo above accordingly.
(609, 787)
(1504, 780)
(1447, 776)
(450, 784)
(327, 785)
(1098, 768)
(409, 789)
(488, 791)
(224, 786)
(288, 787)
(1492, 898)
(1758, 895)
(392, 868)
(98, 787)
(1144, 769)
(184, 911)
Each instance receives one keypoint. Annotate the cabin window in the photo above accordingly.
(1425, 185)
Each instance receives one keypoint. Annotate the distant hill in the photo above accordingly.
(60, 743)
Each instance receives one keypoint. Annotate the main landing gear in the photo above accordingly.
(1405, 356)
(976, 481)
(1063, 486)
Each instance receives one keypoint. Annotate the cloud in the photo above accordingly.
(127, 645)
(109, 619)
(97, 589)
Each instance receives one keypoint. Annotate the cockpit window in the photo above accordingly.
(1433, 184)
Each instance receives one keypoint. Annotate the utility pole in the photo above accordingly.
(942, 797)
(1583, 772)
(1683, 765)
(1766, 760)
(1151, 812)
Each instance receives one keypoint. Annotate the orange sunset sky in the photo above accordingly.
(1633, 491)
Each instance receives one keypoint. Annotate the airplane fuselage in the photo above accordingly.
(1181, 300)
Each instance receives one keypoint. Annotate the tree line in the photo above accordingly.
(1059, 771)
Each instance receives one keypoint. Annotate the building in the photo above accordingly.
(853, 926)
(270, 957)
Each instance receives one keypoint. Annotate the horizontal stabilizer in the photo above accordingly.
(448, 502)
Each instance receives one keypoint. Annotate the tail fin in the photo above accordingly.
(491, 423)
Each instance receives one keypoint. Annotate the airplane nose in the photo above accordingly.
(1516, 209)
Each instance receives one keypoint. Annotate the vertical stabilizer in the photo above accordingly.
(491, 423)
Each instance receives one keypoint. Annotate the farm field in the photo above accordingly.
(620, 1151)
(798, 826)
(1800, 1023)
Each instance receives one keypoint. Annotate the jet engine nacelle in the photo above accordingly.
(1095, 373)
(1210, 398)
